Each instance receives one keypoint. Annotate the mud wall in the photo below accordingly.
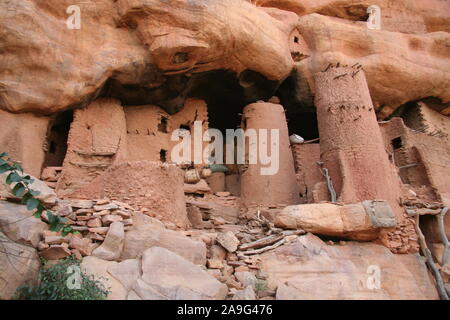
(149, 129)
(431, 154)
(152, 187)
(23, 137)
(351, 143)
(306, 158)
(280, 189)
(97, 139)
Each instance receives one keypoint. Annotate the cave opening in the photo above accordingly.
(303, 124)
(57, 136)
(397, 143)
(298, 101)
(224, 97)
(163, 155)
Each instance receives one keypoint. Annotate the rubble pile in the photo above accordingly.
(92, 219)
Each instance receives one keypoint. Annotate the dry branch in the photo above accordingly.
(430, 262)
(269, 240)
(262, 250)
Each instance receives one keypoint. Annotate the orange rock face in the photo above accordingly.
(151, 45)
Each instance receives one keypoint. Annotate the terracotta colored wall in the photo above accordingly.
(280, 189)
(351, 143)
(434, 153)
(97, 139)
(306, 157)
(152, 185)
(23, 137)
(423, 118)
(144, 135)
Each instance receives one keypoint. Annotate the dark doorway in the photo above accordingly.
(57, 136)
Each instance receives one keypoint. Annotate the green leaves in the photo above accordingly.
(4, 165)
(19, 190)
(13, 177)
(17, 167)
(33, 203)
(4, 168)
(66, 230)
(34, 193)
(28, 196)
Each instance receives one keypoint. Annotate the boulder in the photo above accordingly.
(83, 245)
(309, 269)
(19, 264)
(19, 224)
(94, 223)
(246, 294)
(99, 268)
(167, 275)
(390, 49)
(217, 252)
(152, 233)
(55, 252)
(360, 221)
(124, 55)
(46, 194)
(112, 246)
(127, 272)
(228, 240)
(246, 278)
(109, 219)
(200, 187)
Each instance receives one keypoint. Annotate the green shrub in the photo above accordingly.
(53, 284)
(261, 285)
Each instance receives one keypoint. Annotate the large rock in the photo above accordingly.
(99, 268)
(246, 294)
(140, 54)
(408, 16)
(112, 246)
(127, 272)
(360, 221)
(19, 265)
(55, 252)
(150, 232)
(382, 54)
(46, 194)
(309, 269)
(228, 240)
(19, 224)
(169, 276)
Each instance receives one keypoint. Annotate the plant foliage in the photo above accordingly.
(55, 280)
(28, 196)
